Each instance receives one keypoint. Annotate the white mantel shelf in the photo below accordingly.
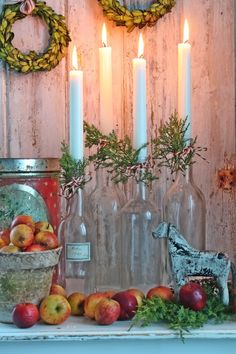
(80, 335)
(82, 329)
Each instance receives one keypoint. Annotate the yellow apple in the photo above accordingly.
(76, 301)
(43, 226)
(54, 309)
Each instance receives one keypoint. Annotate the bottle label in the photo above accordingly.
(76, 252)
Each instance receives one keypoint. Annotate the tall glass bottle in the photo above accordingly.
(142, 260)
(184, 206)
(106, 201)
(75, 232)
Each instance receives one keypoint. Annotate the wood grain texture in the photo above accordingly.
(34, 107)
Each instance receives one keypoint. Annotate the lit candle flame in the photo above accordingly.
(186, 31)
(104, 35)
(140, 46)
(74, 59)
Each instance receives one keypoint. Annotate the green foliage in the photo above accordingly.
(171, 147)
(179, 318)
(118, 156)
(73, 173)
(137, 18)
(32, 61)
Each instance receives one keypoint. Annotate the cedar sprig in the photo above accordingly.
(179, 318)
(118, 156)
(171, 147)
(73, 173)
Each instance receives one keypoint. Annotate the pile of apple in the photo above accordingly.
(103, 307)
(26, 235)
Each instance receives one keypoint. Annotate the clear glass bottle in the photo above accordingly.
(75, 232)
(184, 206)
(106, 201)
(143, 262)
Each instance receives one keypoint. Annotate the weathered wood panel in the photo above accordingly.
(35, 122)
(34, 108)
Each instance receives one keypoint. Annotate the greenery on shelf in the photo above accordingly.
(179, 318)
(118, 156)
(73, 173)
(172, 149)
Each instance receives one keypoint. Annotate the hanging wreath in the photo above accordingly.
(135, 18)
(32, 61)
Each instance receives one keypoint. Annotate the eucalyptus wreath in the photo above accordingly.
(122, 16)
(32, 61)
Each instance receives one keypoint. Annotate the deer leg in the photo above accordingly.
(224, 291)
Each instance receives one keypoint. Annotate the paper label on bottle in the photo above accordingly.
(77, 252)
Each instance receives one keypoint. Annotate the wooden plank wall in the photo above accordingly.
(34, 107)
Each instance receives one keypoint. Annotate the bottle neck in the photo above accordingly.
(76, 205)
(186, 176)
(102, 178)
(141, 191)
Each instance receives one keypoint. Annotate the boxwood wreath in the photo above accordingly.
(122, 16)
(32, 61)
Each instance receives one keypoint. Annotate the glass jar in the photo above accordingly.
(75, 233)
(30, 186)
(143, 262)
(106, 201)
(184, 206)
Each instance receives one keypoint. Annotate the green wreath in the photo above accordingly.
(32, 61)
(135, 18)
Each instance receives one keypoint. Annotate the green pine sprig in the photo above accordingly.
(118, 156)
(73, 173)
(171, 147)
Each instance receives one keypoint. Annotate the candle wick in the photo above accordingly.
(141, 56)
(186, 41)
(104, 44)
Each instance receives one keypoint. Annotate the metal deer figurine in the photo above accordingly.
(187, 261)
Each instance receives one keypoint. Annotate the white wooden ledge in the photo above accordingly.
(80, 335)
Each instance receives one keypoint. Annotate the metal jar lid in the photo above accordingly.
(14, 165)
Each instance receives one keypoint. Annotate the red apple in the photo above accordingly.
(193, 296)
(23, 219)
(43, 226)
(25, 315)
(107, 311)
(58, 289)
(21, 235)
(10, 249)
(35, 247)
(47, 239)
(54, 309)
(76, 301)
(5, 236)
(138, 294)
(164, 292)
(128, 304)
(90, 303)
(109, 293)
